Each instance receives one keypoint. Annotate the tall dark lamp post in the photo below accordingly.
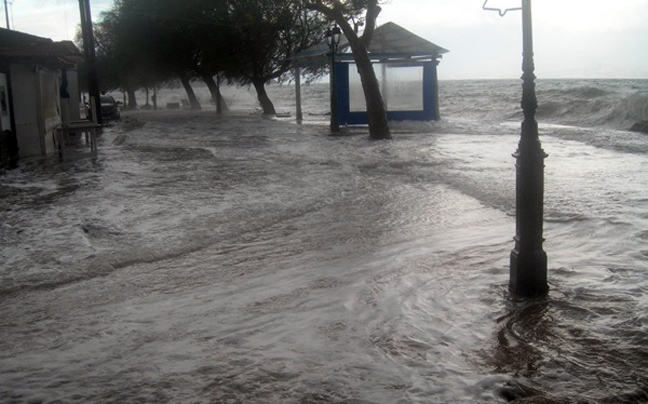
(333, 37)
(528, 272)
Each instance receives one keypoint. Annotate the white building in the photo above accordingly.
(38, 91)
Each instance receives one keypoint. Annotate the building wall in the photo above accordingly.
(24, 97)
(37, 111)
(50, 106)
(74, 111)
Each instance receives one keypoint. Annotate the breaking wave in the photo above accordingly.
(613, 104)
(593, 106)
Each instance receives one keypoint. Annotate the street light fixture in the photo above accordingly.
(333, 37)
(528, 272)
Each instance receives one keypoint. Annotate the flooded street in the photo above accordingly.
(206, 259)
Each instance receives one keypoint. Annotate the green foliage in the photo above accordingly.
(266, 34)
(146, 42)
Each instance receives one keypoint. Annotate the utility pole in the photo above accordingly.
(7, 14)
(90, 58)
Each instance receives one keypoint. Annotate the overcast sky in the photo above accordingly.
(572, 38)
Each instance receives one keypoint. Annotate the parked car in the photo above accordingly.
(109, 108)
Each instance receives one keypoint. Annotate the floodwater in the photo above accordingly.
(205, 259)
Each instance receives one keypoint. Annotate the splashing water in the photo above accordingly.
(235, 259)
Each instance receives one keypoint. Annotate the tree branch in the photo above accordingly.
(373, 10)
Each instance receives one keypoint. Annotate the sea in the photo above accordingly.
(202, 258)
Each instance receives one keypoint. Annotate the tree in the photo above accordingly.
(211, 33)
(265, 35)
(195, 40)
(125, 52)
(169, 46)
(247, 41)
(148, 42)
(342, 11)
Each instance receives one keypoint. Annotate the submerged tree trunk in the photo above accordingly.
(193, 100)
(214, 90)
(132, 100)
(376, 112)
(264, 100)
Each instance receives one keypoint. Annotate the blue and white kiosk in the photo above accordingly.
(406, 68)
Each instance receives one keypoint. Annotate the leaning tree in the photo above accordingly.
(147, 42)
(265, 35)
(344, 13)
(125, 55)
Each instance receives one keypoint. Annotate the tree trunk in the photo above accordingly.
(193, 100)
(132, 100)
(264, 100)
(214, 90)
(376, 113)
